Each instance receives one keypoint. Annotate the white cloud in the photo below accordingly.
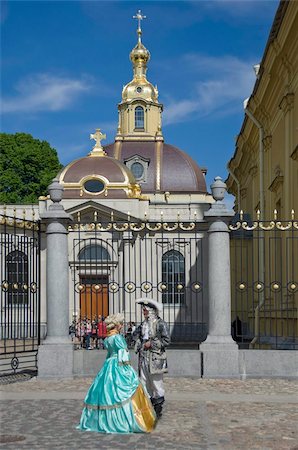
(218, 86)
(44, 92)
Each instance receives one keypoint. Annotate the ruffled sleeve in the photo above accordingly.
(123, 353)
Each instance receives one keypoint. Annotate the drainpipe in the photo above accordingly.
(262, 215)
(261, 157)
(238, 186)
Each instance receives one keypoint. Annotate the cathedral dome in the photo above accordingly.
(159, 167)
(140, 89)
(96, 177)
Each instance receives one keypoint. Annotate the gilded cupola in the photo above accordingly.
(139, 110)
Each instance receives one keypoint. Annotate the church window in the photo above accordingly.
(94, 186)
(139, 117)
(94, 252)
(137, 170)
(173, 277)
(17, 277)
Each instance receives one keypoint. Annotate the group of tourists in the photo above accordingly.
(120, 400)
(88, 334)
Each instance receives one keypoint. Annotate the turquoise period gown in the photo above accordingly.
(116, 401)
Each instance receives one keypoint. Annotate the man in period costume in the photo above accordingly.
(152, 337)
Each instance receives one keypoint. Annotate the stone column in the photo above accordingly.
(55, 355)
(220, 351)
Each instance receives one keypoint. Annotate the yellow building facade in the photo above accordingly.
(263, 176)
(265, 162)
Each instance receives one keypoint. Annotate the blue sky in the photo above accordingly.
(64, 64)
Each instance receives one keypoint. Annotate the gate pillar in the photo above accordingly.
(55, 355)
(220, 351)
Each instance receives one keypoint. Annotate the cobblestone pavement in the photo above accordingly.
(199, 414)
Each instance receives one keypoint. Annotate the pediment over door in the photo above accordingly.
(90, 211)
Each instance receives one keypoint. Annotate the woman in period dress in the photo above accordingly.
(117, 401)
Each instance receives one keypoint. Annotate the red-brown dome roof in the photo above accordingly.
(109, 175)
(169, 169)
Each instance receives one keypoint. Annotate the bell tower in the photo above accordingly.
(139, 111)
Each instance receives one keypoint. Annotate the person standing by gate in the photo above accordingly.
(101, 332)
(152, 337)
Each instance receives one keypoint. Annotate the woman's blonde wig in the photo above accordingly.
(113, 320)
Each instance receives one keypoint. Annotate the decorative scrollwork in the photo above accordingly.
(246, 227)
(168, 227)
(18, 223)
(235, 227)
(295, 225)
(137, 226)
(188, 227)
(282, 227)
(120, 227)
(156, 227)
(269, 227)
(100, 227)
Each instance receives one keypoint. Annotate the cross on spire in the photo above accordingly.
(139, 16)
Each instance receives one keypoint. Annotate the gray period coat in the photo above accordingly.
(155, 356)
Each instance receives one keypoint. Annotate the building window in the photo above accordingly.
(17, 277)
(139, 118)
(139, 167)
(137, 170)
(173, 277)
(94, 252)
(94, 186)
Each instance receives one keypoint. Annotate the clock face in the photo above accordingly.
(139, 89)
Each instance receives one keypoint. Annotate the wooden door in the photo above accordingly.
(94, 299)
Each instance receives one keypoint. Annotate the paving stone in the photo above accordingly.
(43, 414)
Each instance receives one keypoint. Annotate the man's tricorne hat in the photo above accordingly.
(149, 302)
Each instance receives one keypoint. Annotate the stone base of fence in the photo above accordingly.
(212, 364)
(55, 360)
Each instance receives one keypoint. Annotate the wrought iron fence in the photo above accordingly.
(20, 293)
(115, 263)
(264, 273)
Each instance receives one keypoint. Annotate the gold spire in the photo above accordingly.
(139, 16)
(139, 55)
(139, 110)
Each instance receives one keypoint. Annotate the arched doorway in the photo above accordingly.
(93, 287)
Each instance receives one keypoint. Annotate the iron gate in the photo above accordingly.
(20, 294)
(113, 264)
(264, 273)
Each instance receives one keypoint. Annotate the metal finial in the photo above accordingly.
(293, 214)
(275, 214)
(139, 16)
